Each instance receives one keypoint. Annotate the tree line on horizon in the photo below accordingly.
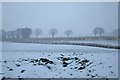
(25, 33)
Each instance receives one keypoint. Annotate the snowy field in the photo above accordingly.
(103, 42)
(27, 60)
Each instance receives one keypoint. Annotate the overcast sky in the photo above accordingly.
(82, 18)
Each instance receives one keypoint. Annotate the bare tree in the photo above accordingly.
(38, 32)
(26, 32)
(68, 33)
(53, 32)
(98, 30)
(101, 31)
(10, 34)
(95, 31)
(18, 33)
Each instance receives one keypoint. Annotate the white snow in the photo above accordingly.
(104, 61)
(103, 42)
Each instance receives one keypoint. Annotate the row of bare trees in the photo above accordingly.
(100, 31)
(25, 33)
(52, 32)
(97, 31)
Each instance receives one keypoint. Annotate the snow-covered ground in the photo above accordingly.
(29, 60)
(103, 42)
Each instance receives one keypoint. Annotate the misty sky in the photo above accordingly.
(80, 17)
